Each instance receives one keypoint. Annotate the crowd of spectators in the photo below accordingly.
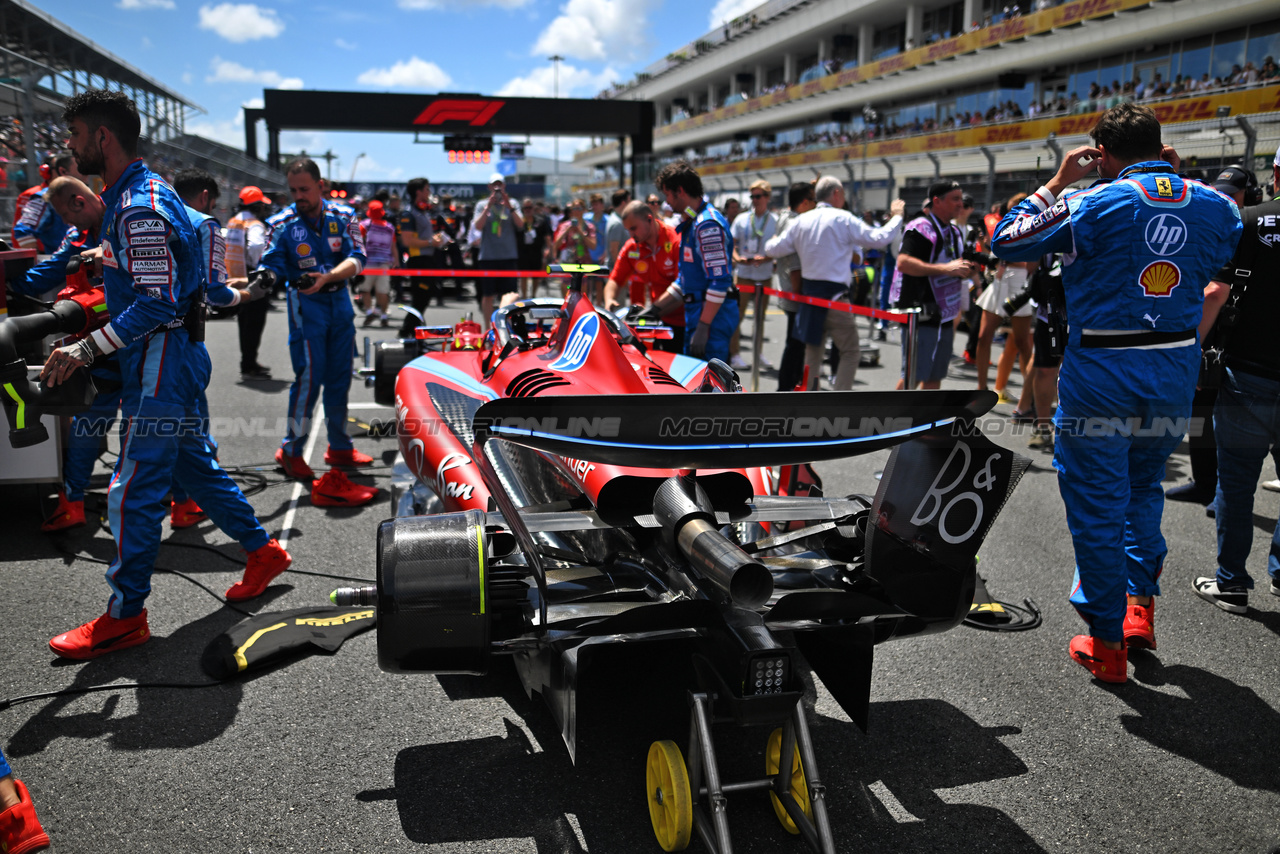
(1099, 97)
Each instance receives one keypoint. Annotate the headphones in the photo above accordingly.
(1252, 191)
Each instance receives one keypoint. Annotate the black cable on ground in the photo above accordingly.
(94, 689)
(1021, 619)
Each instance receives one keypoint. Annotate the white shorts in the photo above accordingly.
(376, 284)
(1008, 285)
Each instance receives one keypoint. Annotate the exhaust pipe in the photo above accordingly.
(688, 520)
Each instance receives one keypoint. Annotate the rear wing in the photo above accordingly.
(693, 431)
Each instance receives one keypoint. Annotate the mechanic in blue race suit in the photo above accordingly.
(705, 282)
(152, 279)
(316, 246)
(1138, 248)
(199, 193)
(40, 228)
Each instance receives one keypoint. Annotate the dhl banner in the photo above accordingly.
(1261, 100)
(1010, 30)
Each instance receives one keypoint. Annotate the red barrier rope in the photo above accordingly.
(469, 273)
(834, 305)
(463, 273)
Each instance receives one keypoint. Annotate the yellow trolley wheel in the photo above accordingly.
(799, 787)
(670, 801)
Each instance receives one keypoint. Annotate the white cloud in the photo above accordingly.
(226, 71)
(230, 132)
(727, 10)
(186, 77)
(417, 5)
(140, 5)
(238, 22)
(369, 169)
(541, 82)
(146, 42)
(411, 73)
(614, 30)
(345, 45)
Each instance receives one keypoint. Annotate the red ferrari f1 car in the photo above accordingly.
(564, 489)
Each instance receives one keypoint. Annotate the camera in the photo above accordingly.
(982, 259)
(1010, 306)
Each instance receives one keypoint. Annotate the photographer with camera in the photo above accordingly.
(1242, 187)
(1010, 280)
(1246, 423)
(499, 222)
(930, 277)
(1040, 388)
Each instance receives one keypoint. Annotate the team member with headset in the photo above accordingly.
(1141, 244)
(1245, 421)
(151, 266)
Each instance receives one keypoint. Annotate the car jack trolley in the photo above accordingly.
(679, 799)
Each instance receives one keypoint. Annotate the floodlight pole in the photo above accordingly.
(556, 59)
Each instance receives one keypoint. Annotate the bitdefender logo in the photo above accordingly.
(474, 111)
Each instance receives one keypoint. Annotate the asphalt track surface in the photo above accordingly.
(978, 741)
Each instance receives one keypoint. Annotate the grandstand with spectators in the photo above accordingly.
(893, 94)
(43, 62)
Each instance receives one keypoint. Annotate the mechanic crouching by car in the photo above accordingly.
(705, 282)
(151, 268)
(1143, 244)
(1246, 423)
(316, 247)
(647, 265)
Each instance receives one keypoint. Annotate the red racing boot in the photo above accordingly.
(264, 564)
(68, 514)
(20, 830)
(101, 636)
(1140, 626)
(350, 457)
(335, 490)
(1109, 665)
(294, 467)
(186, 514)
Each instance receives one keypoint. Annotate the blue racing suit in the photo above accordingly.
(152, 276)
(706, 274)
(322, 330)
(226, 504)
(1137, 254)
(40, 227)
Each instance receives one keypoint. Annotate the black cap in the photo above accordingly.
(1233, 179)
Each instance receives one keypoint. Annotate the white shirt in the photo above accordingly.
(825, 238)
(750, 233)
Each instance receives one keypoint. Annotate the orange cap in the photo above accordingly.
(253, 196)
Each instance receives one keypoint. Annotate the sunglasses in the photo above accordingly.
(759, 195)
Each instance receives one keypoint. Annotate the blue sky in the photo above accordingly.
(221, 55)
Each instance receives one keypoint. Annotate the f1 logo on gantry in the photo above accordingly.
(474, 111)
(1166, 234)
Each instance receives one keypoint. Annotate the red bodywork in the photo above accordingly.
(580, 355)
